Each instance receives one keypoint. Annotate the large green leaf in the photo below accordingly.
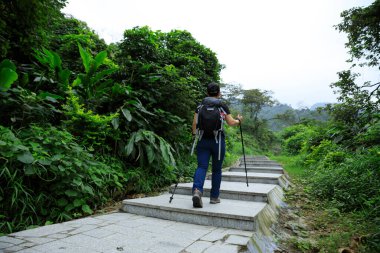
(127, 114)
(150, 153)
(99, 76)
(62, 202)
(71, 193)
(57, 61)
(7, 77)
(29, 170)
(164, 151)
(86, 58)
(78, 80)
(130, 145)
(64, 76)
(44, 95)
(87, 209)
(25, 157)
(99, 59)
(7, 64)
(139, 136)
(115, 123)
(78, 202)
(88, 189)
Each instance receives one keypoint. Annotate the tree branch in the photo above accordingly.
(371, 85)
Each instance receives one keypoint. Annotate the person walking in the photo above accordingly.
(208, 128)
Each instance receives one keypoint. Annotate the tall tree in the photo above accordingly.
(67, 34)
(254, 100)
(360, 103)
(169, 71)
(232, 93)
(362, 26)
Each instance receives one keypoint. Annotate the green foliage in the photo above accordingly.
(355, 180)
(234, 149)
(26, 25)
(341, 159)
(54, 75)
(95, 83)
(297, 137)
(47, 176)
(20, 107)
(125, 125)
(67, 34)
(255, 100)
(369, 137)
(326, 153)
(359, 105)
(92, 129)
(8, 74)
(169, 72)
(149, 149)
(362, 27)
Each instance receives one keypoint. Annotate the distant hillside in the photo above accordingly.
(316, 105)
(281, 115)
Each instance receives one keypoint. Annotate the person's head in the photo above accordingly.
(213, 90)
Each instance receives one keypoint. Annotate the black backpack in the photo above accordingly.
(210, 117)
(210, 121)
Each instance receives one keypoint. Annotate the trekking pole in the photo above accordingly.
(242, 144)
(175, 187)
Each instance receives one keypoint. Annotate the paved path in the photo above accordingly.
(123, 232)
(133, 233)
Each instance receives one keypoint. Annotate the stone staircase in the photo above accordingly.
(252, 208)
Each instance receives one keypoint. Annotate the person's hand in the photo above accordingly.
(239, 118)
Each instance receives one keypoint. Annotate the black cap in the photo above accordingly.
(213, 89)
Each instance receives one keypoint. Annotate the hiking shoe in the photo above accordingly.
(197, 199)
(214, 200)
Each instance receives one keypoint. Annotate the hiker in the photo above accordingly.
(211, 142)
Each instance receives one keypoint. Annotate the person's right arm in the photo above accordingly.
(194, 125)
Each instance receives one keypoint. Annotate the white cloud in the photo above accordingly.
(288, 47)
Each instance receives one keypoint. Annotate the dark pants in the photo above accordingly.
(207, 148)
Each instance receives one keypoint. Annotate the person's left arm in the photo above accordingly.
(229, 119)
(233, 122)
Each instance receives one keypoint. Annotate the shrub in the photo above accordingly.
(297, 138)
(353, 182)
(47, 176)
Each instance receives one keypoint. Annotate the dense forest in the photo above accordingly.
(84, 123)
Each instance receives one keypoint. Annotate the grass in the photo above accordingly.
(328, 229)
(292, 165)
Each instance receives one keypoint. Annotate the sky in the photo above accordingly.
(288, 47)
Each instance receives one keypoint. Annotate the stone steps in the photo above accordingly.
(232, 190)
(262, 178)
(256, 169)
(255, 158)
(229, 213)
(259, 164)
(250, 208)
